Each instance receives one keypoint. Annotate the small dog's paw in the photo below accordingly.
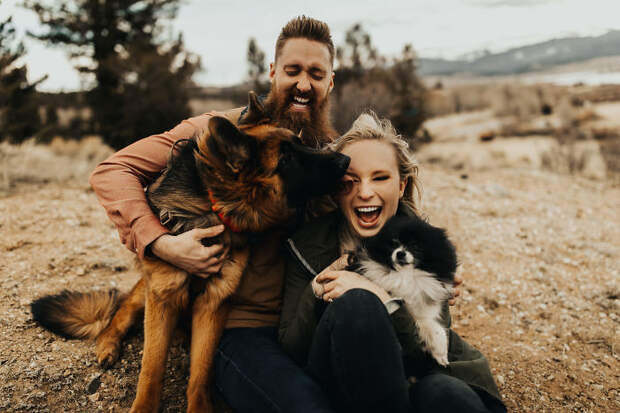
(442, 359)
(437, 344)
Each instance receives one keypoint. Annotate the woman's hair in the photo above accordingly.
(369, 127)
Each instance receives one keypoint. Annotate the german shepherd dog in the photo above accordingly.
(415, 261)
(250, 178)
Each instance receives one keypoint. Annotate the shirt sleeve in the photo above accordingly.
(120, 180)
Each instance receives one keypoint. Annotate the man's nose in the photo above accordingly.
(304, 84)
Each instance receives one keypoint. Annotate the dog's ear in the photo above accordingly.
(229, 144)
(256, 110)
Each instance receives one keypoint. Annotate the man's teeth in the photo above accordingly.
(368, 209)
(301, 100)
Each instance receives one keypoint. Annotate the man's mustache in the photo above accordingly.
(294, 92)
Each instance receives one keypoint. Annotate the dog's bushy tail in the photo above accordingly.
(76, 315)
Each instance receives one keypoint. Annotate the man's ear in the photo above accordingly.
(272, 70)
(232, 147)
(331, 83)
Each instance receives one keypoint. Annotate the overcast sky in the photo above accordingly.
(218, 30)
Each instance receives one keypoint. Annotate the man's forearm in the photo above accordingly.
(119, 184)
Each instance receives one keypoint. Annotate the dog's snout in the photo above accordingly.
(343, 161)
(400, 256)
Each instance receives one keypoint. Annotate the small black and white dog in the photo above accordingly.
(415, 261)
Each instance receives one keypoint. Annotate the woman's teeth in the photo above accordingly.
(368, 214)
(367, 209)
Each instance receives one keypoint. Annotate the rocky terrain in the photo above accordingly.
(539, 251)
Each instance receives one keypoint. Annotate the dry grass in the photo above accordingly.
(62, 161)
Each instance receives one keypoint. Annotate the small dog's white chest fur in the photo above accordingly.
(422, 293)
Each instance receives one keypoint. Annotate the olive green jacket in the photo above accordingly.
(311, 249)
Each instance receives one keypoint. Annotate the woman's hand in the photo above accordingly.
(187, 252)
(334, 281)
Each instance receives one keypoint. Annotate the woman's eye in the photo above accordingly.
(346, 186)
(382, 178)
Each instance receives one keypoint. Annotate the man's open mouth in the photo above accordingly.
(300, 103)
(368, 215)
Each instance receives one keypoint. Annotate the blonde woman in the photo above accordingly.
(358, 342)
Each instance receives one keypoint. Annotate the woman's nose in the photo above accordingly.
(365, 190)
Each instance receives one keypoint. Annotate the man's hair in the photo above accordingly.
(306, 28)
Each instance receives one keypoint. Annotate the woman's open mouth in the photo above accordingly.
(368, 216)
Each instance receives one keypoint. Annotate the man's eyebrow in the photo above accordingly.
(292, 66)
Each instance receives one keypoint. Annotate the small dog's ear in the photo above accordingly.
(229, 144)
(256, 110)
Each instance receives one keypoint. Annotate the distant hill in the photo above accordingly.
(527, 58)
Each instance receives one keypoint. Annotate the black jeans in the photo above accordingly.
(254, 374)
(357, 358)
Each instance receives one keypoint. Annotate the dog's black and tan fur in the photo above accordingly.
(248, 177)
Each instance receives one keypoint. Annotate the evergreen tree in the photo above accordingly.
(140, 77)
(19, 118)
(257, 68)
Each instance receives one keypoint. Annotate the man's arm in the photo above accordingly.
(119, 183)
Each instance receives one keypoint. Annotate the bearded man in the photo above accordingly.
(251, 370)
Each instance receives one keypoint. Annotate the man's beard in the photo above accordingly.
(313, 126)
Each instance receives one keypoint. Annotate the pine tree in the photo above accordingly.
(140, 75)
(257, 67)
(19, 117)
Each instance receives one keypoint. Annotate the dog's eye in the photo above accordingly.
(282, 162)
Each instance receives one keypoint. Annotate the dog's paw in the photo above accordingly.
(199, 403)
(438, 346)
(138, 408)
(107, 354)
(435, 339)
(442, 359)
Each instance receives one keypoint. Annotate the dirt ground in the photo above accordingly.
(538, 251)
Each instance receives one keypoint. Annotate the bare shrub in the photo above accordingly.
(355, 98)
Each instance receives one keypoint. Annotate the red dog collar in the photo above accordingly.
(225, 220)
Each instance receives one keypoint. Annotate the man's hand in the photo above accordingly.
(187, 252)
(333, 281)
(458, 280)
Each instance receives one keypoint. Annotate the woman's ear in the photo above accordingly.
(403, 185)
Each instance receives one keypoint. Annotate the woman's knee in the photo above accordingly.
(358, 312)
(357, 304)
